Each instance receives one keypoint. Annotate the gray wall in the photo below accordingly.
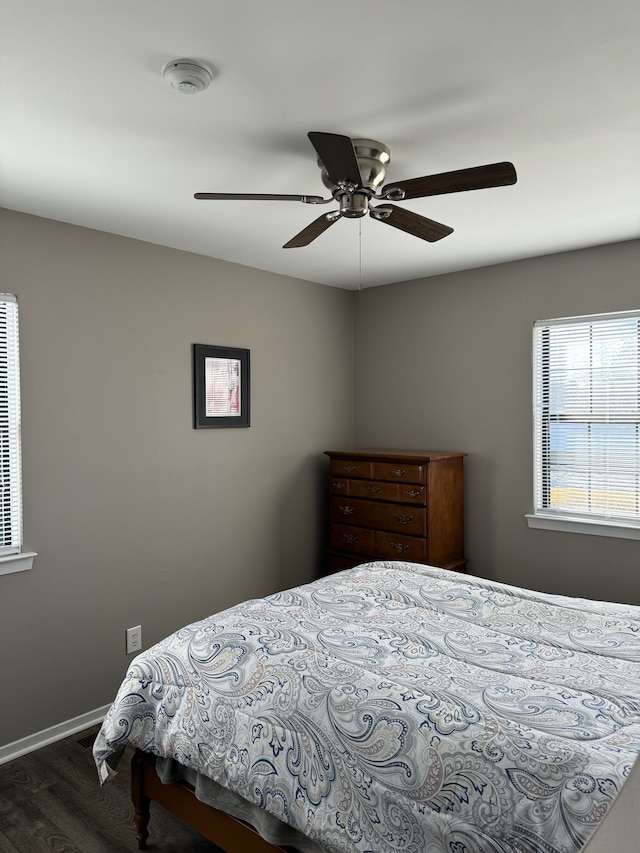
(444, 363)
(137, 517)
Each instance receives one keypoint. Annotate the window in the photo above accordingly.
(11, 556)
(587, 423)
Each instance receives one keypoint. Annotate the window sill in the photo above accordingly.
(17, 562)
(592, 527)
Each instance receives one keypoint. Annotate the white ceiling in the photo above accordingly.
(91, 133)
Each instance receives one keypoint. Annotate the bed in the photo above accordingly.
(391, 707)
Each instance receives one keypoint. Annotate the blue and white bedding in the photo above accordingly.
(400, 707)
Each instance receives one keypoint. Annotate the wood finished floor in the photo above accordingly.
(51, 802)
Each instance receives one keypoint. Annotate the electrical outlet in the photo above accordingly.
(134, 639)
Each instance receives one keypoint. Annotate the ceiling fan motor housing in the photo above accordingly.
(373, 158)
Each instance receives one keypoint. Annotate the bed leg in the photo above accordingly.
(141, 801)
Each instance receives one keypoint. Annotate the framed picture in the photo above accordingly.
(220, 386)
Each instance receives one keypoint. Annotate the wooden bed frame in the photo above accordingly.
(229, 833)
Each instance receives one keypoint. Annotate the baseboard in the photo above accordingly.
(39, 739)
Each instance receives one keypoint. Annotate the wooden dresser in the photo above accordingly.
(388, 505)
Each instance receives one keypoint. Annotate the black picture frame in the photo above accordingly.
(220, 387)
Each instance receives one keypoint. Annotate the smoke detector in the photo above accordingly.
(186, 76)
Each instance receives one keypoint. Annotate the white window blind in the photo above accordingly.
(587, 417)
(10, 463)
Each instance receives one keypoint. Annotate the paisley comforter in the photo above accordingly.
(398, 707)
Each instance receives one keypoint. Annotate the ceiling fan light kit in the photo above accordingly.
(354, 169)
(186, 76)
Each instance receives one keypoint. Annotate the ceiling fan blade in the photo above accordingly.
(412, 223)
(476, 178)
(337, 156)
(309, 199)
(315, 229)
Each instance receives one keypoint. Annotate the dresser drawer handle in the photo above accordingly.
(398, 472)
(350, 538)
(350, 468)
(339, 485)
(403, 519)
(413, 493)
(347, 510)
(398, 546)
(373, 489)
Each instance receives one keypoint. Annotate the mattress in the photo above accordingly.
(399, 707)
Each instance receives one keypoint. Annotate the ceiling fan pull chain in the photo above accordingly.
(360, 285)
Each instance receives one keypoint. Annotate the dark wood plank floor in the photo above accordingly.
(51, 802)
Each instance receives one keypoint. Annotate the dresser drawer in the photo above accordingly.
(413, 494)
(338, 562)
(352, 468)
(340, 486)
(398, 472)
(390, 546)
(357, 540)
(380, 516)
(378, 490)
(374, 490)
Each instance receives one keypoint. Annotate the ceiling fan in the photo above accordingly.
(354, 169)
